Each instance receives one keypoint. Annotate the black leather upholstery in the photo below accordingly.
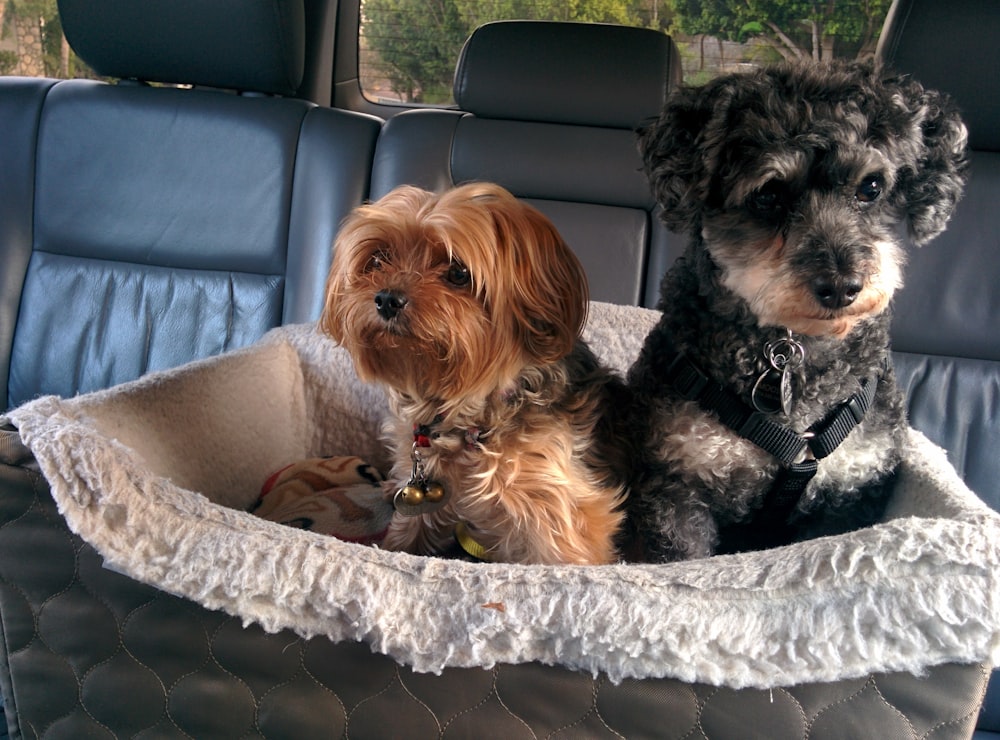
(951, 46)
(944, 332)
(548, 110)
(584, 74)
(945, 315)
(257, 45)
(20, 107)
(185, 263)
(945, 325)
(164, 224)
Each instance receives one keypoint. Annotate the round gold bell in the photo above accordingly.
(433, 491)
(411, 495)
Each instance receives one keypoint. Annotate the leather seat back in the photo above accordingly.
(944, 330)
(945, 337)
(549, 110)
(152, 225)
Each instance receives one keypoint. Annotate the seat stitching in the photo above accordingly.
(494, 691)
(592, 711)
(409, 693)
(395, 679)
(305, 669)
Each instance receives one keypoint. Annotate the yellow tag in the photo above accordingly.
(468, 544)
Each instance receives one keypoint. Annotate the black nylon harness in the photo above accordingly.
(798, 453)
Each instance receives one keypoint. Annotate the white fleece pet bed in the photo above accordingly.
(156, 475)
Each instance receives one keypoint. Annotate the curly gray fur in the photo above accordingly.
(792, 181)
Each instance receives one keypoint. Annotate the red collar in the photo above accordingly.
(424, 433)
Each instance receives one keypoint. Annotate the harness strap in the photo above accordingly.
(691, 383)
(784, 443)
(770, 526)
(798, 453)
(788, 486)
(845, 417)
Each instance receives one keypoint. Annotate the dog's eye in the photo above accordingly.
(376, 261)
(769, 199)
(458, 274)
(869, 190)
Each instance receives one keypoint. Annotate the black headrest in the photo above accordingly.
(584, 73)
(249, 45)
(954, 47)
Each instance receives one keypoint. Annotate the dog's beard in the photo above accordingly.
(388, 353)
(779, 295)
(442, 346)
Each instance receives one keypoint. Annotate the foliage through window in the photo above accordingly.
(32, 42)
(408, 48)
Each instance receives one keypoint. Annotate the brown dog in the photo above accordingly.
(468, 307)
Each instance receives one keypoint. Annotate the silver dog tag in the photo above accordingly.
(787, 391)
(768, 392)
(774, 390)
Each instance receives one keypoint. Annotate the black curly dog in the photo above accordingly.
(766, 405)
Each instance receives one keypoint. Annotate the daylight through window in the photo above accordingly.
(408, 48)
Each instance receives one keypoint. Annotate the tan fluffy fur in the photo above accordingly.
(484, 348)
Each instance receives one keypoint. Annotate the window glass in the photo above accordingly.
(32, 42)
(408, 48)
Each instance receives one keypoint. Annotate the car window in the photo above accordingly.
(408, 48)
(32, 42)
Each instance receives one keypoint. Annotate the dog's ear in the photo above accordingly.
(330, 319)
(676, 150)
(532, 284)
(552, 306)
(932, 178)
(547, 289)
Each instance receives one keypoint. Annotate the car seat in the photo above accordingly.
(945, 338)
(145, 225)
(549, 111)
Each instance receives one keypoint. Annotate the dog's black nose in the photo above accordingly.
(837, 291)
(389, 303)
